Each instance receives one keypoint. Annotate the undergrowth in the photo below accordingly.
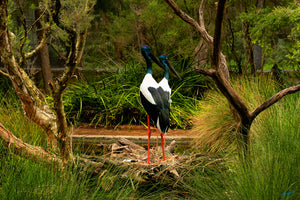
(114, 99)
(273, 172)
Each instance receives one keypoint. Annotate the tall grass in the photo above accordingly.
(214, 124)
(274, 172)
(275, 153)
(24, 179)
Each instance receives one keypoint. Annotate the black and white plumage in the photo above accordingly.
(156, 97)
(156, 102)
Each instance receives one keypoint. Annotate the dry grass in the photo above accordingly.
(214, 125)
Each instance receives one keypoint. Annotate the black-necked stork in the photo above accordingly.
(154, 99)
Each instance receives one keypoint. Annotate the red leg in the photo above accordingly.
(149, 134)
(157, 137)
(163, 146)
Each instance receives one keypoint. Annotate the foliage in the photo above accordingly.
(214, 125)
(275, 155)
(114, 35)
(115, 99)
(277, 31)
(273, 171)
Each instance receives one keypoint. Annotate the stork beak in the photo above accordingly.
(156, 61)
(173, 69)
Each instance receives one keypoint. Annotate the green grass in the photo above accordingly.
(275, 153)
(24, 179)
(114, 99)
(218, 174)
(275, 145)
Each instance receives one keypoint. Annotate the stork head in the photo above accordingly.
(165, 61)
(147, 53)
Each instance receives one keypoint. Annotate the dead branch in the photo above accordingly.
(207, 72)
(21, 148)
(274, 99)
(185, 17)
(200, 28)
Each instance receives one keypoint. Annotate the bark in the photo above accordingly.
(76, 42)
(34, 104)
(200, 28)
(21, 148)
(43, 52)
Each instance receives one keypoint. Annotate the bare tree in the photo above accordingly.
(219, 73)
(35, 107)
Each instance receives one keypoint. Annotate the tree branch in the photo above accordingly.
(40, 45)
(33, 101)
(185, 17)
(21, 148)
(201, 20)
(3, 73)
(274, 99)
(208, 72)
(55, 10)
(24, 38)
(217, 35)
(201, 30)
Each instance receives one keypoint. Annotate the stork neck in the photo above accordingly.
(166, 75)
(149, 67)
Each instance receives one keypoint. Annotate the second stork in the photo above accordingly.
(156, 97)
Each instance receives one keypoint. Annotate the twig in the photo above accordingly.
(42, 14)
(24, 38)
(4, 73)
(58, 52)
(41, 44)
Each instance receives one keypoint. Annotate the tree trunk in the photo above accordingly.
(219, 73)
(33, 101)
(43, 53)
(258, 56)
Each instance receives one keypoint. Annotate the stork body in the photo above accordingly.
(156, 97)
(154, 100)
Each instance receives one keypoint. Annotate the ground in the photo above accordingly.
(124, 130)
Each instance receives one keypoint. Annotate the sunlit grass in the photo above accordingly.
(272, 174)
(22, 178)
(275, 155)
